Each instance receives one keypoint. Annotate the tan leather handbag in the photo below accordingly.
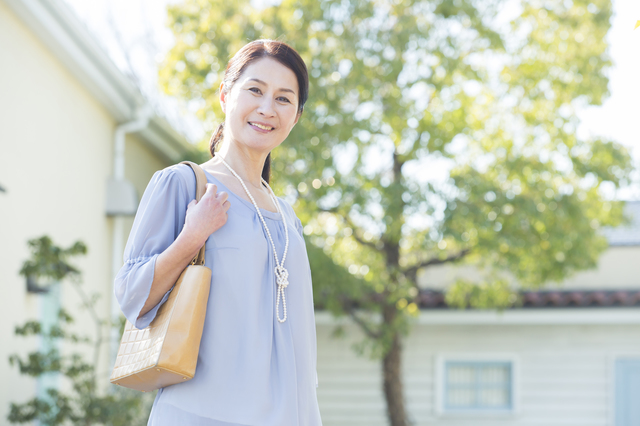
(166, 352)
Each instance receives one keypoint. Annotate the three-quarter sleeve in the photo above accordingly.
(158, 221)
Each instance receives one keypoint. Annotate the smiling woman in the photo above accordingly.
(286, 85)
(261, 109)
(257, 357)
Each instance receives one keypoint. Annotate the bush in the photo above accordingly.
(83, 403)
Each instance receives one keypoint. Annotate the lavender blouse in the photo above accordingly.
(252, 370)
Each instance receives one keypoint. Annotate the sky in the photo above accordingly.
(142, 29)
(619, 116)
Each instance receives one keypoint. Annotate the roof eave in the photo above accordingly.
(170, 144)
(58, 28)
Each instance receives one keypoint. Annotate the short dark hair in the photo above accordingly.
(250, 53)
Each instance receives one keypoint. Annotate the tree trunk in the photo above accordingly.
(393, 390)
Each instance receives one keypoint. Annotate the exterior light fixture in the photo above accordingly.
(34, 287)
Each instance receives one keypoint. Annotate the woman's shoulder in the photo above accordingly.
(285, 205)
(177, 177)
(176, 173)
(288, 210)
(179, 170)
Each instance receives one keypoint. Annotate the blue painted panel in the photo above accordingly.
(627, 397)
(49, 307)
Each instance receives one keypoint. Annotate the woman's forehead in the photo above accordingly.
(269, 72)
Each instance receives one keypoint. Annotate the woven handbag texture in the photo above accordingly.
(140, 349)
(166, 352)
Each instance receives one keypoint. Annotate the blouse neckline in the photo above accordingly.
(265, 213)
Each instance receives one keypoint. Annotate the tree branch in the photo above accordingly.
(331, 210)
(353, 227)
(412, 272)
(357, 237)
(361, 322)
(364, 242)
(90, 306)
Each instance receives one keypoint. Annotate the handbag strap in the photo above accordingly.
(201, 181)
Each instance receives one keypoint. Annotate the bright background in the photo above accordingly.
(138, 27)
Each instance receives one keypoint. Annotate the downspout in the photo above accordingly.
(122, 201)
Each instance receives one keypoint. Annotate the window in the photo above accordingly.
(478, 386)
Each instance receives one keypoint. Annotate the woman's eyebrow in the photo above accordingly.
(265, 84)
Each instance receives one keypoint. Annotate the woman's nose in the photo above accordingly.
(266, 107)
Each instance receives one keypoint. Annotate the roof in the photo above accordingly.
(628, 235)
(58, 28)
(433, 299)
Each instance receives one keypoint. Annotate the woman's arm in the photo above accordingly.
(202, 219)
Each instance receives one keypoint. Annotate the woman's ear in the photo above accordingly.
(297, 117)
(223, 97)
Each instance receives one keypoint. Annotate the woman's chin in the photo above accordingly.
(260, 144)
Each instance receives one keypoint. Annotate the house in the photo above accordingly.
(79, 145)
(570, 355)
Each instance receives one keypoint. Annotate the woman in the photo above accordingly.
(257, 359)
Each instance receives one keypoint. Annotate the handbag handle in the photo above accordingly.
(201, 181)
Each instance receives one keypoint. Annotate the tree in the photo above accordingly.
(436, 131)
(83, 404)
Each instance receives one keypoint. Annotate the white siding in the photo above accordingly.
(617, 269)
(564, 373)
(349, 387)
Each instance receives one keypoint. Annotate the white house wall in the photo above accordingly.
(617, 268)
(564, 373)
(56, 156)
(141, 162)
(55, 140)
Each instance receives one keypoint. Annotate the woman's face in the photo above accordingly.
(262, 106)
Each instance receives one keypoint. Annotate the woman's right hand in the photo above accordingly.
(202, 219)
(208, 215)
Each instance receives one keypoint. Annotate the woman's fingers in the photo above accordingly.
(223, 199)
(211, 190)
(210, 213)
(222, 196)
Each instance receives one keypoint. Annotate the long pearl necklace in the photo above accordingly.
(282, 275)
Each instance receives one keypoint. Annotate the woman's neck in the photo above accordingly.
(248, 164)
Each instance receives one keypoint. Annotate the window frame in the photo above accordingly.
(488, 358)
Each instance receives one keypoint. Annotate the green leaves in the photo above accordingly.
(494, 294)
(402, 89)
(78, 401)
(49, 261)
(37, 363)
(528, 223)
(88, 409)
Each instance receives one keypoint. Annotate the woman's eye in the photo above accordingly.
(283, 99)
(254, 90)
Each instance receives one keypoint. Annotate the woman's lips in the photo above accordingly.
(261, 127)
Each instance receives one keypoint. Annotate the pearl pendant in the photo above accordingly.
(282, 276)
